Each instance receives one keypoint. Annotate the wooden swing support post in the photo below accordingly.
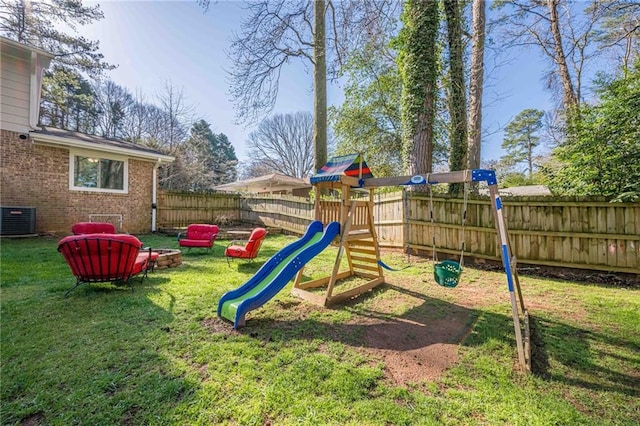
(358, 241)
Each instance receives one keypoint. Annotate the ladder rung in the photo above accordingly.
(366, 267)
(364, 259)
(360, 242)
(361, 250)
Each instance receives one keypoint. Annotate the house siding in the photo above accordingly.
(14, 90)
(38, 176)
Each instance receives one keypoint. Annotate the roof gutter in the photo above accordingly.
(75, 143)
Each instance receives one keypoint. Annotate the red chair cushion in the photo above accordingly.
(93, 228)
(141, 263)
(195, 243)
(236, 251)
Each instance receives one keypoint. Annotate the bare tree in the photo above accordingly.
(135, 125)
(252, 169)
(171, 124)
(177, 113)
(561, 30)
(113, 103)
(572, 35)
(273, 34)
(283, 143)
(155, 132)
(279, 31)
(620, 29)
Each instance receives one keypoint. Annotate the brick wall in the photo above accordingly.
(38, 176)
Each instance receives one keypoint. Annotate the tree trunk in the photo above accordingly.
(319, 85)
(530, 158)
(457, 93)
(476, 83)
(570, 100)
(419, 71)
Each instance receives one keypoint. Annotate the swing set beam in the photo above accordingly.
(430, 178)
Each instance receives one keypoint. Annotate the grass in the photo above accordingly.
(158, 355)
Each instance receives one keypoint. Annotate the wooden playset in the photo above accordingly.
(350, 178)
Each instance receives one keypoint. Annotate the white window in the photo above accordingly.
(99, 173)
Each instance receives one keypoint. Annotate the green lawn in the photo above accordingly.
(158, 355)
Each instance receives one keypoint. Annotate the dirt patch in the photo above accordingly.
(414, 352)
(411, 352)
(419, 365)
(217, 325)
(33, 420)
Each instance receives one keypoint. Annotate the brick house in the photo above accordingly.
(67, 176)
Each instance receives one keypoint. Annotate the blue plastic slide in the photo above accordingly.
(275, 273)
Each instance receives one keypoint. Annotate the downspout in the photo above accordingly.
(154, 195)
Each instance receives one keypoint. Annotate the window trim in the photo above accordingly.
(103, 156)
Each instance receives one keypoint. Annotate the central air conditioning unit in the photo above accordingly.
(17, 220)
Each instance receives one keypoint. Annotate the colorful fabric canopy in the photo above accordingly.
(345, 165)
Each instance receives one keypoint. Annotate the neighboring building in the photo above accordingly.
(269, 184)
(521, 191)
(66, 176)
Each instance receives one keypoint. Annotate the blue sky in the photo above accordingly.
(153, 42)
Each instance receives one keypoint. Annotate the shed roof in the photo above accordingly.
(267, 183)
(521, 191)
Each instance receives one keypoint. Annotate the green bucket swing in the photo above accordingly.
(447, 273)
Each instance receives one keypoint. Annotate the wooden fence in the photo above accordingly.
(566, 232)
(292, 214)
(179, 209)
